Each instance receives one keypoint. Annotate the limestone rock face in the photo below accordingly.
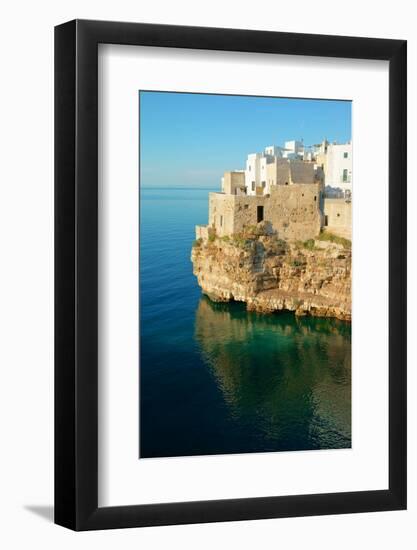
(312, 278)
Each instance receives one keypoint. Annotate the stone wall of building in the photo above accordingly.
(222, 213)
(246, 211)
(287, 172)
(232, 181)
(338, 217)
(293, 211)
(278, 173)
(301, 172)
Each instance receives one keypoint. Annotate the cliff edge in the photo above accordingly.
(312, 277)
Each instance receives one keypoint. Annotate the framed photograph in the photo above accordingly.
(230, 252)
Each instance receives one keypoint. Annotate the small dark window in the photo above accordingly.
(246, 206)
(338, 215)
(221, 221)
(302, 194)
(345, 155)
(259, 214)
(286, 183)
(253, 186)
(326, 220)
(315, 197)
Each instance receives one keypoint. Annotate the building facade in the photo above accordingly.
(336, 161)
(294, 150)
(233, 183)
(263, 171)
(338, 217)
(285, 192)
(255, 173)
(293, 212)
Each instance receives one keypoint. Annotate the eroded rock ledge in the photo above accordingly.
(269, 274)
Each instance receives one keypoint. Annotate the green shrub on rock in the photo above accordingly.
(331, 237)
(197, 243)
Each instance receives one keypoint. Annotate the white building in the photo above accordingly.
(338, 166)
(332, 165)
(309, 153)
(256, 163)
(256, 168)
(293, 150)
(253, 172)
(274, 150)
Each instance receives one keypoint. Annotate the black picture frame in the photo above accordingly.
(76, 272)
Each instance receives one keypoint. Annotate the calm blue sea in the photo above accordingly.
(216, 379)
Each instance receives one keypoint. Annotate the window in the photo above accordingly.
(250, 168)
(253, 186)
(259, 214)
(326, 220)
(263, 184)
(221, 221)
(345, 175)
(345, 155)
(246, 206)
(315, 197)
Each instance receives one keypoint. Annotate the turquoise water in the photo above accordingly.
(216, 379)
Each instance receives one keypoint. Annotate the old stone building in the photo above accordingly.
(288, 172)
(264, 171)
(286, 191)
(292, 210)
(338, 217)
(233, 183)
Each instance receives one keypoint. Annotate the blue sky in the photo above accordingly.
(190, 140)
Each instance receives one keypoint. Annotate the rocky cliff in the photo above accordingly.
(269, 274)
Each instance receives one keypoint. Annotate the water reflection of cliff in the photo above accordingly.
(287, 378)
